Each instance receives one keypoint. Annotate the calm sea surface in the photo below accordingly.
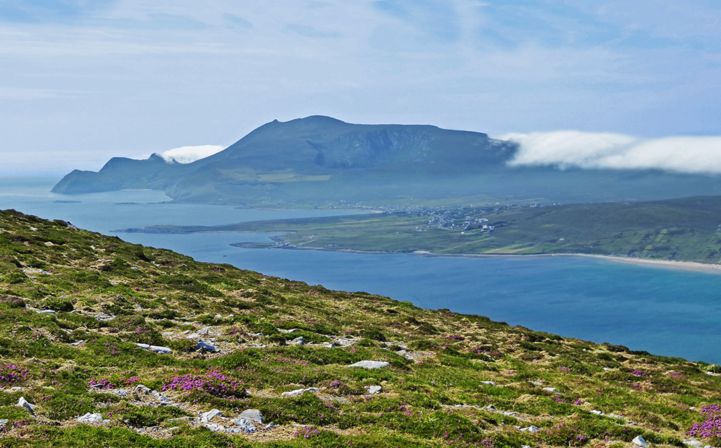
(645, 308)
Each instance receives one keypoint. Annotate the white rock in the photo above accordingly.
(205, 346)
(551, 390)
(489, 383)
(23, 403)
(90, 418)
(253, 415)
(639, 441)
(214, 427)
(287, 331)
(206, 417)
(142, 389)
(104, 317)
(370, 364)
(156, 348)
(344, 342)
(693, 443)
(374, 390)
(597, 412)
(532, 429)
(3, 423)
(297, 392)
(204, 331)
(120, 392)
(162, 399)
(243, 425)
(77, 343)
(300, 340)
(46, 311)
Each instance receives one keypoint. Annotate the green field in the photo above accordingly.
(683, 229)
(75, 304)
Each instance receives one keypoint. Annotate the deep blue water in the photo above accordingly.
(646, 308)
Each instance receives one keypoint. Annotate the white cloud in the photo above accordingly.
(564, 149)
(188, 154)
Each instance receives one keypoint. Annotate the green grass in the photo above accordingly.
(681, 229)
(439, 399)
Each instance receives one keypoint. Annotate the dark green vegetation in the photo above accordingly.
(322, 162)
(680, 229)
(452, 380)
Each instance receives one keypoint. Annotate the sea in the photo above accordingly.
(657, 309)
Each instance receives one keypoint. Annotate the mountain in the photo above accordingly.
(106, 343)
(322, 161)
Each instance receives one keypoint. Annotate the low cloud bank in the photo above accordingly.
(566, 149)
(189, 154)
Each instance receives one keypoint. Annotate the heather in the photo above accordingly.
(75, 305)
(212, 382)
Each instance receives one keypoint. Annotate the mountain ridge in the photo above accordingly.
(320, 161)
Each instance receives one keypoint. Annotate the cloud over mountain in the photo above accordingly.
(189, 154)
(565, 149)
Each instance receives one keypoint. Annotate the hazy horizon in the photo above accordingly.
(85, 81)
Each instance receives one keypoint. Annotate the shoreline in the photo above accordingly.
(694, 266)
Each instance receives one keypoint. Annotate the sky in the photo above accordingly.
(84, 80)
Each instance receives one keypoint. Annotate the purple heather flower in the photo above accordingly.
(213, 382)
(12, 374)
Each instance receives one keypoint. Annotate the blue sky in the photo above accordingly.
(81, 80)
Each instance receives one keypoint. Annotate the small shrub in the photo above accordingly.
(12, 374)
(212, 382)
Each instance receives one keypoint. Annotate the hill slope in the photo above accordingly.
(74, 306)
(321, 161)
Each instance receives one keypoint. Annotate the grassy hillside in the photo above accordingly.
(75, 304)
(686, 229)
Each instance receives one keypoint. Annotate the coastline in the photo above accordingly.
(669, 264)
(693, 266)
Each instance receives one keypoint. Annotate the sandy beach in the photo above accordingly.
(670, 264)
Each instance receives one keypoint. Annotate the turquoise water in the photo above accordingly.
(664, 311)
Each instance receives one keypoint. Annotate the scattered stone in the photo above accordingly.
(122, 393)
(300, 340)
(531, 429)
(639, 441)
(344, 342)
(104, 317)
(48, 244)
(205, 346)
(489, 383)
(406, 354)
(210, 415)
(90, 418)
(287, 331)
(597, 412)
(297, 392)
(709, 373)
(243, 425)
(77, 343)
(46, 311)
(23, 403)
(693, 443)
(374, 389)
(3, 423)
(215, 427)
(253, 415)
(161, 399)
(155, 348)
(204, 331)
(370, 364)
(551, 390)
